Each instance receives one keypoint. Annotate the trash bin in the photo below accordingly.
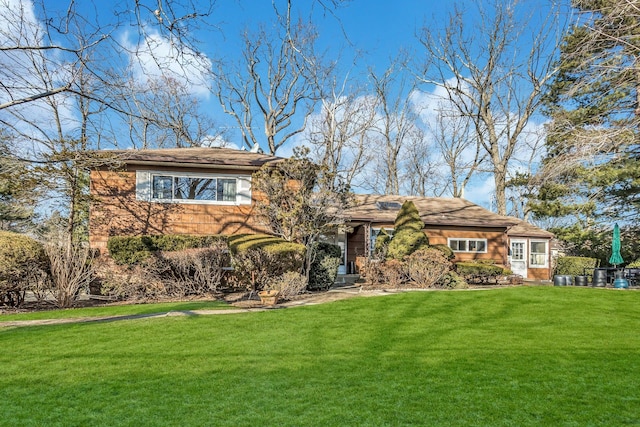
(581, 280)
(559, 280)
(600, 277)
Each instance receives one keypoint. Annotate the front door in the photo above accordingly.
(519, 257)
(341, 241)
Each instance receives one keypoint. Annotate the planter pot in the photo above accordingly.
(268, 297)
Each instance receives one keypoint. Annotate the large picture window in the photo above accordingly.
(468, 245)
(538, 253)
(169, 187)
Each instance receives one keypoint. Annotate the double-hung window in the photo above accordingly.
(468, 245)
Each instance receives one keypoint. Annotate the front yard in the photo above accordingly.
(514, 356)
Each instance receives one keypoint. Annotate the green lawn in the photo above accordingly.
(517, 356)
(117, 310)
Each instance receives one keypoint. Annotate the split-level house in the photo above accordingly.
(203, 191)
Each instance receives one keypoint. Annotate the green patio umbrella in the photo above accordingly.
(615, 258)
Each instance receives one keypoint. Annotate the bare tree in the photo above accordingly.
(421, 174)
(493, 74)
(168, 115)
(277, 83)
(339, 133)
(395, 126)
(459, 148)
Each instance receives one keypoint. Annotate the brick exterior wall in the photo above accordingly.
(116, 212)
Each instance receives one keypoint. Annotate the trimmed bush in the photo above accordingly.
(259, 258)
(479, 272)
(408, 235)
(21, 260)
(128, 250)
(575, 265)
(324, 267)
(446, 251)
(452, 280)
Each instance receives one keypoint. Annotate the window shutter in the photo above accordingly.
(244, 190)
(143, 185)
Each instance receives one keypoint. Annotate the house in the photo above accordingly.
(203, 191)
(196, 191)
(471, 231)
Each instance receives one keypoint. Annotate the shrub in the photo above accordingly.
(381, 244)
(575, 265)
(371, 270)
(405, 243)
(634, 264)
(134, 249)
(257, 259)
(408, 218)
(408, 235)
(452, 280)
(130, 250)
(130, 282)
(479, 272)
(71, 270)
(288, 285)
(393, 272)
(195, 271)
(426, 267)
(446, 251)
(22, 259)
(324, 267)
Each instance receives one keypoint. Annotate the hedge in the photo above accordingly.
(133, 249)
(575, 265)
(471, 270)
(21, 260)
(260, 258)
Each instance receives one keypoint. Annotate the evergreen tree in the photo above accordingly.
(408, 234)
(17, 184)
(592, 167)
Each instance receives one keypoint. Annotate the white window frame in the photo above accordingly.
(144, 187)
(546, 254)
(467, 240)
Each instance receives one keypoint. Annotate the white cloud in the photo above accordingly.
(155, 56)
